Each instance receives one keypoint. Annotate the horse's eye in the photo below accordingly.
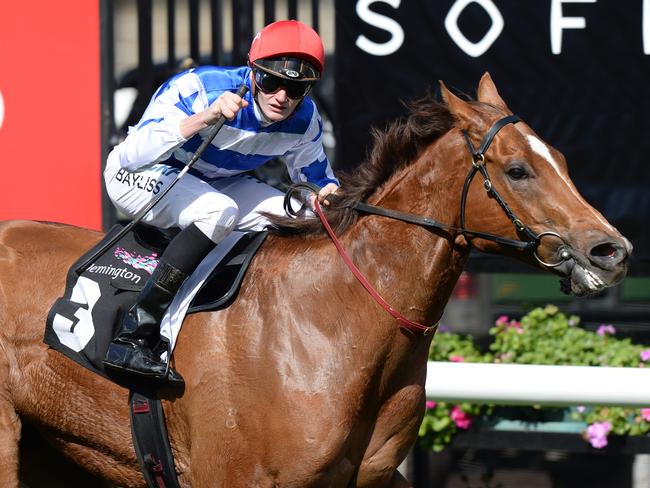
(517, 173)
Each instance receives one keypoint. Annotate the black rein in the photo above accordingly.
(478, 166)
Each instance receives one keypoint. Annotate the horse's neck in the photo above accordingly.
(319, 306)
(423, 265)
(412, 268)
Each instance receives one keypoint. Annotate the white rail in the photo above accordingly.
(523, 384)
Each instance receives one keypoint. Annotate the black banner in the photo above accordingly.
(577, 71)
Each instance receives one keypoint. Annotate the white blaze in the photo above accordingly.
(541, 149)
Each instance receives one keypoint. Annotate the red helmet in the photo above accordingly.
(286, 40)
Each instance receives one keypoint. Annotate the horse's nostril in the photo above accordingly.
(608, 255)
(606, 250)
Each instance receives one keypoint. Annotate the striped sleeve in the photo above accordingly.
(158, 134)
(307, 160)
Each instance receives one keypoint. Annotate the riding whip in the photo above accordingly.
(241, 91)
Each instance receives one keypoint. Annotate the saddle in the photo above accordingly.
(81, 323)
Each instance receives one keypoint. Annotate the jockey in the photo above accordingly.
(276, 118)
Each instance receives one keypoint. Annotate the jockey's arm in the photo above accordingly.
(167, 123)
(308, 162)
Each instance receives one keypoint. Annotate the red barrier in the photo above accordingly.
(50, 112)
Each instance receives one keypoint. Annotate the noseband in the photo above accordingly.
(531, 240)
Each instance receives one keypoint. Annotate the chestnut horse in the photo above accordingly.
(305, 381)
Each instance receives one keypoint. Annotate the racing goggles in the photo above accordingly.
(269, 83)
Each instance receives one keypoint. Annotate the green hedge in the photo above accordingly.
(543, 336)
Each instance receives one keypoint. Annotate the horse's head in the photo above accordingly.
(530, 197)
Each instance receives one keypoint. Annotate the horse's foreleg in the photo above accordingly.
(395, 431)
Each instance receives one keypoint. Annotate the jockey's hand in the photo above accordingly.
(228, 104)
(329, 189)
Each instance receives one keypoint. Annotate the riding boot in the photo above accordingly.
(136, 348)
(132, 351)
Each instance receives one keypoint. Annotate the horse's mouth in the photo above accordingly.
(582, 279)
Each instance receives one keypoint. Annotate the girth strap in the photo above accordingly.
(151, 442)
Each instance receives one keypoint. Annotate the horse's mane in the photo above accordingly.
(396, 146)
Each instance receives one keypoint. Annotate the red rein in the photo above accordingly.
(401, 320)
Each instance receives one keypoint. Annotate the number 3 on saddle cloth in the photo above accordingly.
(82, 323)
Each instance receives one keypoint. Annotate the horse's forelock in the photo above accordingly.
(392, 148)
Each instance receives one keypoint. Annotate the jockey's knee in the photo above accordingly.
(218, 225)
(215, 215)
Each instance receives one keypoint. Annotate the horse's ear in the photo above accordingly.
(458, 107)
(487, 93)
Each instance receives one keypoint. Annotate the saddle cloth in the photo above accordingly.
(82, 323)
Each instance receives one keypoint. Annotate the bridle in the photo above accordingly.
(478, 166)
(531, 240)
(530, 243)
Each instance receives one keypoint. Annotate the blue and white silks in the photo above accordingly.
(243, 143)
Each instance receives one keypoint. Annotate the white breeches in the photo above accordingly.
(218, 207)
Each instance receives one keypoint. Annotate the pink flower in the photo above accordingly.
(605, 329)
(645, 355)
(460, 418)
(503, 319)
(457, 359)
(581, 409)
(597, 434)
(505, 357)
(430, 404)
(514, 324)
(645, 414)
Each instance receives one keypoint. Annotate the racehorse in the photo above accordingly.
(304, 381)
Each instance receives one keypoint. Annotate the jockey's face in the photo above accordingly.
(276, 106)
